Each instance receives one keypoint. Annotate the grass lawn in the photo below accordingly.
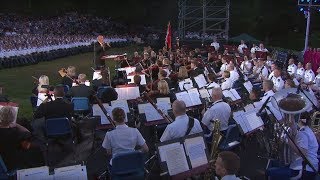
(18, 82)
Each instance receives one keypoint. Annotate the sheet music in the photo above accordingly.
(248, 107)
(194, 96)
(165, 99)
(227, 93)
(185, 84)
(184, 96)
(96, 75)
(235, 94)
(164, 106)
(96, 111)
(200, 80)
(195, 149)
(16, 109)
(204, 93)
(34, 173)
(253, 120)
(241, 121)
(152, 114)
(248, 85)
(175, 158)
(123, 104)
(87, 83)
(128, 93)
(42, 97)
(143, 79)
(141, 108)
(76, 172)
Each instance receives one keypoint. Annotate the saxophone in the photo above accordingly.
(216, 138)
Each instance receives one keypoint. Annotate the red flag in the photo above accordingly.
(169, 35)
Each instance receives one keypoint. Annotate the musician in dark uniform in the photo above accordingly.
(99, 50)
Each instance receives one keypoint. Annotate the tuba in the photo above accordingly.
(216, 138)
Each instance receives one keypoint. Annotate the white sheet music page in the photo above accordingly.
(195, 149)
(248, 85)
(164, 99)
(200, 80)
(42, 97)
(143, 79)
(253, 120)
(164, 106)
(129, 70)
(141, 108)
(227, 93)
(204, 93)
(194, 96)
(175, 158)
(184, 96)
(96, 111)
(185, 84)
(235, 94)
(76, 172)
(238, 117)
(123, 104)
(248, 107)
(151, 113)
(133, 92)
(34, 173)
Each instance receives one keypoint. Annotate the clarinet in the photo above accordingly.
(163, 115)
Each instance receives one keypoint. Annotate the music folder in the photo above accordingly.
(248, 121)
(190, 97)
(183, 155)
(231, 93)
(151, 114)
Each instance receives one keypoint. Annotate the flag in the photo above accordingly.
(168, 37)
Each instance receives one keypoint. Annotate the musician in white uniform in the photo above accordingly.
(306, 141)
(292, 68)
(179, 127)
(316, 86)
(300, 72)
(308, 74)
(215, 44)
(241, 46)
(254, 48)
(211, 81)
(267, 87)
(277, 80)
(272, 68)
(246, 65)
(218, 111)
(234, 75)
(227, 84)
(263, 70)
(262, 48)
(224, 65)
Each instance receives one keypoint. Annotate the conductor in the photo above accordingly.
(99, 50)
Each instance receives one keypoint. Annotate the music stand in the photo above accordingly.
(190, 156)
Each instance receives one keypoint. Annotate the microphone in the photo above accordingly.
(259, 113)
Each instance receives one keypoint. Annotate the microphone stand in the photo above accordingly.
(294, 143)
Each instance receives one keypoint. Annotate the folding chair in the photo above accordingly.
(128, 166)
(232, 138)
(4, 173)
(81, 106)
(59, 131)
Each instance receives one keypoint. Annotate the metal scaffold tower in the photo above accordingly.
(210, 17)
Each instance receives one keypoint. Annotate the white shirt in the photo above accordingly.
(308, 76)
(264, 72)
(241, 46)
(264, 98)
(230, 177)
(213, 85)
(278, 83)
(223, 67)
(254, 49)
(122, 139)
(292, 69)
(317, 80)
(271, 75)
(306, 139)
(179, 127)
(246, 66)
(262, 50)
(227, 84)
(219, 110)
(234, 75)
(216, 45)
(300, 73)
